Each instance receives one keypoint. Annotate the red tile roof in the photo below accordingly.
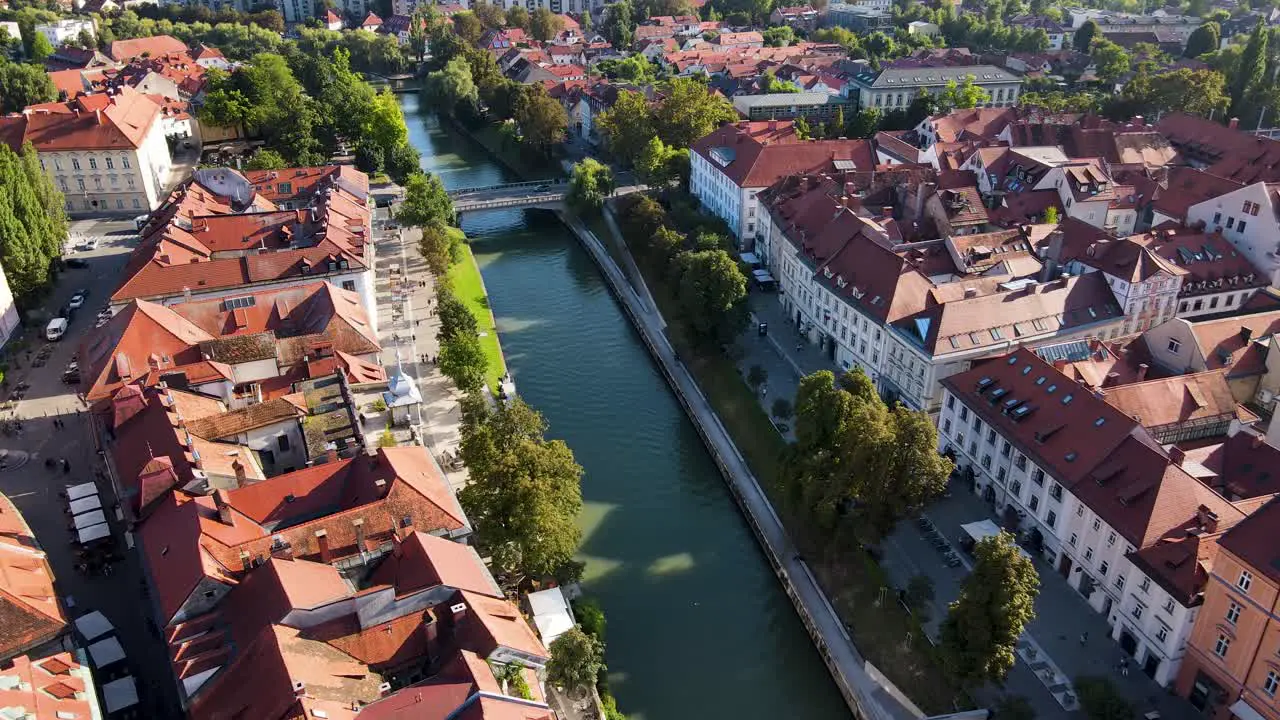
(124, 50)
(1254, 541)
(426, 561)
(48, 688)
(1244, 466)
(761, 153)
(1175, 400)
(121, 122)
(142, 338)
(1239, 156)
(1223, 342)
(30, 612)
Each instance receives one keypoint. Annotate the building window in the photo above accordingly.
(1088, 554)
(1146, 584)
(119, 204)
(1162, 634)
(1055, 492)
(1074, 539)
(1103, 568)
(986, 462)
(951, 402)
(1005, 449)
(124, 161)
(1222, 646)
(1051, 519)
(1111, 539)
(946, 427)
(80, 184)
(93, 163)
(1037, 477)
(1035, 503)
(1020, 461)
(137, 205)
(282, 442)
(57, 164)
(1233, 612)
(1097, 524)
(1119, 582)
(1080, 511)
(1000, 475)
(1245, 581)
(1270, 684)
(964, 414)
(1138, 609)
(991, 437)
(1240, 227)
(111, 165)
(1174, 346)
(75, 164)
(1016, 488)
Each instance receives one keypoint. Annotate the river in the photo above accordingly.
(698, 626)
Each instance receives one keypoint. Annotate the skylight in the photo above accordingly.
(1099, 422)
(1071, 456)
(1066, 399)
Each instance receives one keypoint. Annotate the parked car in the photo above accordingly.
(77, 301)
(90, 244)
(56, 328)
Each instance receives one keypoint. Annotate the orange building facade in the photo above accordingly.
(1232, 665)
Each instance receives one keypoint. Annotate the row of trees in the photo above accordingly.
(32, 222)
(709, 287)
(23, 84)
(686, 111)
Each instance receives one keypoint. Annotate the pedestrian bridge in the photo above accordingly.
(537, 193)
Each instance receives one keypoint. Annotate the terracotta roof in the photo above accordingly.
(1107, 363)
(184, 539)
(263, 683)
(1243, 466)
(1235, 343)
(972, 123)
(455, 693)
(140, 338)
(121, 122)
(1181, 187)
(48, 688)
(499, 625)
(259, 415)
(1228, 153)
(30, 613)
(1254, 541)
(426, 561)
(758, 156)
(124, 50)
(1175, 400)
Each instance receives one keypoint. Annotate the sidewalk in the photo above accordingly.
(412, 332)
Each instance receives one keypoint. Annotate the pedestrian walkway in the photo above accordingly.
(407, 328)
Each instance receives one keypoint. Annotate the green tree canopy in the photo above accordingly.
(518, 17)
(22, 85)
(627, 126)
(576, 658)
(997, 600)
(710, 291)
(1203, 39)
(542, 119)
(452, 88)
(1251, 69)
(544, 24)
(426, 202)
(32, 222)
(1082, 41)
(1111, 59)
(590, 184)
(524, 493)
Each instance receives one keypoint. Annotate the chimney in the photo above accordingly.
(322, 539)
(331, 455)
(242, 477)
(97, 116)
(1257, 441)
(245, 562)
(773, 125)
(970, 292)
(1139, 121)
(1142, 372)
(1176, 455)
(359, 525)
(222, 501)
(299, 688)
(1245, 334)
(886, 211)
(1053, 255)
(1207, 518)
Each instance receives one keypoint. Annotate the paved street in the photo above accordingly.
(412, 330)
(34, 488)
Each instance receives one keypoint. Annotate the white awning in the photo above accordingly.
(85, 504)
(984, 529)
(1242, 710)
(750, 258)
(120, 694)
(106, 651)
(75, 492)
(93, 625)
(94, 532)
(89, 519)
(762, 276)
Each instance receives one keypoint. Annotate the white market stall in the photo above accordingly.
(985, 529)
(93, 625)
(85, 504)
(75, 492)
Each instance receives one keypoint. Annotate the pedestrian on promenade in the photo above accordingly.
(1084, 638)
(764, 390)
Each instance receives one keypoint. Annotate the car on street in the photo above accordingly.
(56, 328)
(543, 188)
(77, 301)
(90, 244)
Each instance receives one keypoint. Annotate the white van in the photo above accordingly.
(56, 329)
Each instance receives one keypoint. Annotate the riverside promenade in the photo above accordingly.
(869, 694)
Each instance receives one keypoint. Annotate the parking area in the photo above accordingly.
(1066, 639)
(48, 444)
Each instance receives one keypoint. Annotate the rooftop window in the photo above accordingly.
(1066, 399)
